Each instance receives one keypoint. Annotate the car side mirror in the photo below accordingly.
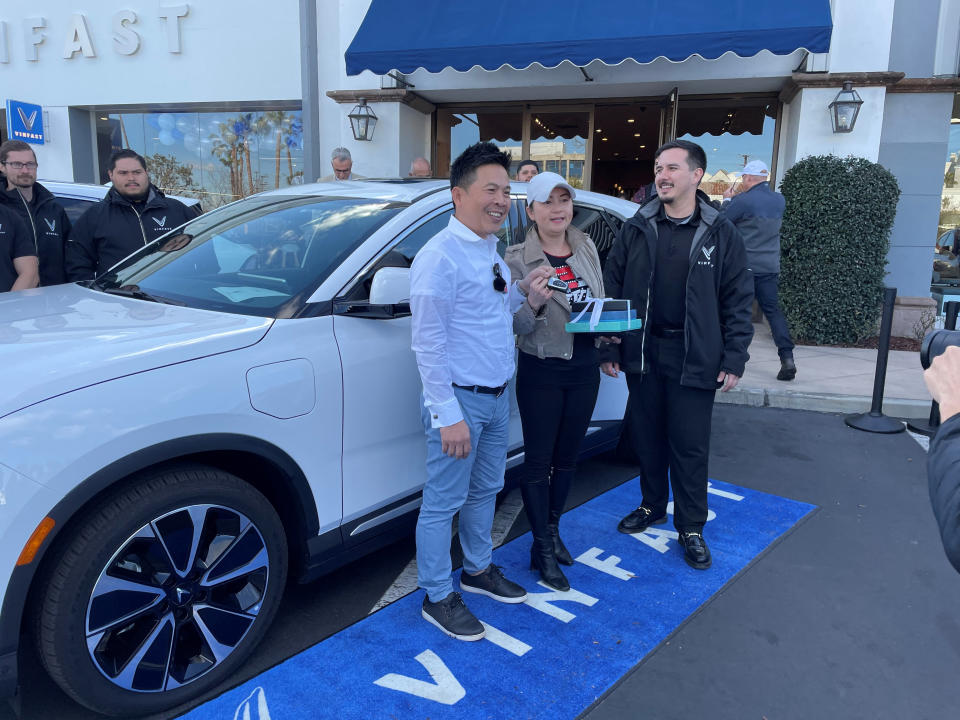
(390, 286)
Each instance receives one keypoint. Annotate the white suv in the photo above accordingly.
(234, 404)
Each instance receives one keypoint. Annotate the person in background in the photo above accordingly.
(557, 375)
(420, 168)
(943, 463)
(133, 214)
(19, 268)
(44, 217)
(757, 211)
(341, 162)
(462, 301)
(683, 266)
(526, 170)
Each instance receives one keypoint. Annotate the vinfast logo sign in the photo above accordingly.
(24, 122)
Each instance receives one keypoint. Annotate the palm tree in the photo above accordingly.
(279, 121)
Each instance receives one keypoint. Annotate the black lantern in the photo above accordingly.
(362, 121)
(844, 109)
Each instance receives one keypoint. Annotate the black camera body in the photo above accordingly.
(935, 343)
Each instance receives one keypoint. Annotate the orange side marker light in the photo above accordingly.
(36, 540)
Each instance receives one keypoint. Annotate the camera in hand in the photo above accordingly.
(556, 283)
(935, 343)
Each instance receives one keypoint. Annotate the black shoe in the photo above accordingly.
(788, 369)
(545, 562)
(695, 550)
(639, 520)
(560, 551)
(492, 583)
(453, 617)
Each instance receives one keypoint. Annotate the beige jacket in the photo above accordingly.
(542, 333)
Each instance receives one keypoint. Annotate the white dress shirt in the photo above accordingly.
(462, 327)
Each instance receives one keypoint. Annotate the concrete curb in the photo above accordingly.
(822, 402)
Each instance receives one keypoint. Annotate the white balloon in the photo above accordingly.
(165, 137)
(166, 121)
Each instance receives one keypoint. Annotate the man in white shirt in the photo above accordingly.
(462, 301)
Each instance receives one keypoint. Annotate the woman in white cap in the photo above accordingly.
(557, 372)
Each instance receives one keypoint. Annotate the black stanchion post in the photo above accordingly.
(875, 421)
(929, 428)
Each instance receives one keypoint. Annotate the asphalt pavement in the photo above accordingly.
(852, 614)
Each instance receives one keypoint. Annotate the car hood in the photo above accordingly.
(62, 338)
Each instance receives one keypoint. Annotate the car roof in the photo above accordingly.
(409, 190)
(90, 191)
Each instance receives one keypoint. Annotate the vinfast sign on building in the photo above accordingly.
(25, 122)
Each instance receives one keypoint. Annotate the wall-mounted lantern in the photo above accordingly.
(844, 109)
(362, 121)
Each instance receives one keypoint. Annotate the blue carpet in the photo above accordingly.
(548, 658)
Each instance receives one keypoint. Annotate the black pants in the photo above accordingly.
(670, 430)
(765, 289)
(555, 413)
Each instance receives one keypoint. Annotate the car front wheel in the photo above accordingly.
(161, 590)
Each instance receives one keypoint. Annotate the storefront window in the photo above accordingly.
(950, 199)
(217, 157)
(456, 131)
(557, 138)
(732, 132)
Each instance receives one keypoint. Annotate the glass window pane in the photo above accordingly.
(457, 130)
(558, 140)
(950, 199)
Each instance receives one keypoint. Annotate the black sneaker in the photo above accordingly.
(639, 520)
(453, 617)
(695, 550)
(492, 583)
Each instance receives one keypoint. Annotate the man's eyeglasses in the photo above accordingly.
(21, 166)
(499, 284)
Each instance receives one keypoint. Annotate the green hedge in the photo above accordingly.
(833, 245)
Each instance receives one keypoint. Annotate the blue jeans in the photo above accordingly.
(765, 287)
(469, 486)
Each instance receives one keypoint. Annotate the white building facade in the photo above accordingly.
(228, 100)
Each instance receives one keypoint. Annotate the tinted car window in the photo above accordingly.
(262, 257)
(600, 225)
(74, 207)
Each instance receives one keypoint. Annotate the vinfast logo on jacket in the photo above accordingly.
(52, 224)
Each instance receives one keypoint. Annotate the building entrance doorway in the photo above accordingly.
(626, 136)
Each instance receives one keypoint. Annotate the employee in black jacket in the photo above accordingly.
(943, 463)
(18, 259)
(133, 214)
(44, 217)
(684, 268)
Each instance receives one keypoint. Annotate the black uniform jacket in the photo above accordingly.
(49, 226)
(113, 228)
(943, 475)
(717, 327)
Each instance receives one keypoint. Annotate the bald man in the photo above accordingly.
(420, 168)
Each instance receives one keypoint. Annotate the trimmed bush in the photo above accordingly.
(833, 247)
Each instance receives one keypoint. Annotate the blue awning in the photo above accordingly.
(437, 34)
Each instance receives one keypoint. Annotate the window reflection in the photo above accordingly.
(216, 157)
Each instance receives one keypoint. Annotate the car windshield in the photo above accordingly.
(262, 256)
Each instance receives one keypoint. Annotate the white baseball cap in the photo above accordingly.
(540, 187)
(754, 167)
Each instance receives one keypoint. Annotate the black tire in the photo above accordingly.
(135, 576)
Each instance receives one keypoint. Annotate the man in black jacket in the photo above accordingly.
(133, 214)
(44, 217)
(684, 267)
(943, 463)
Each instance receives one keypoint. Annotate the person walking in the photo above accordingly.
(462, 301)
(557, 373)
(44, 217)
(133, 214)
(683, 265)
(757, 211)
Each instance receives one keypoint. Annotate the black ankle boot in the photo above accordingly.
(559, 549)
(544, 561)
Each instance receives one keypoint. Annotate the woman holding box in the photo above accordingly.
(557, 372)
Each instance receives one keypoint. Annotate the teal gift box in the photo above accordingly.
(602, 315)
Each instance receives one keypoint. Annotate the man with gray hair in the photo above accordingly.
(420, 168)
(342, 164)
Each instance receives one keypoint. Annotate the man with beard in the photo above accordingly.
(133, 214)
(684, 267)
(46, 221)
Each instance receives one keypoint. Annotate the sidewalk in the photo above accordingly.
(830, 379)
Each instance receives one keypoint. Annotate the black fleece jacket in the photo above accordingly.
(113, 228)
(717, 327)
(943, 476)
(49, 228)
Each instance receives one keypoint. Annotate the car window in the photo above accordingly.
(602, 227)
(256, 258)
(511, 232)
(74, 207)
